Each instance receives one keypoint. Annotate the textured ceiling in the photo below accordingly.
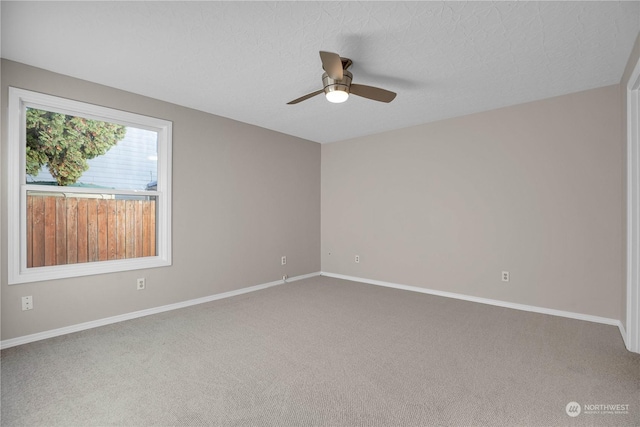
(246, 60)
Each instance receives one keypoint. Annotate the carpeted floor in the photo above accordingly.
(328, 352)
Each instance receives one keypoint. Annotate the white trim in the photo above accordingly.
(633, 211)
(515, 306)
(623, 332)
(302, 277)
(71, 191)
(14, 175)
(12, 342)
(18, 272)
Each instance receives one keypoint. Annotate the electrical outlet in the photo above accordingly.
(283, 261)
(357, 259)
(285, 277)
(141, 284)
(27, 303)
(505, 276)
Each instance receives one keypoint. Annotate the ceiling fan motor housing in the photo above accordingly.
(331, 85)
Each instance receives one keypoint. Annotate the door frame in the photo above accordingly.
(632, 340)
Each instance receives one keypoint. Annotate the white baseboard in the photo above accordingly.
(12, 342)
(302, 277)
(623, 332)
(515, 306)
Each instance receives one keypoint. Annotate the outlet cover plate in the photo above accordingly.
(27, 303)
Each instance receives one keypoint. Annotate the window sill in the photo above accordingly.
(38, 274)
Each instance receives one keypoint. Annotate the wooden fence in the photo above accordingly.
(70, 230)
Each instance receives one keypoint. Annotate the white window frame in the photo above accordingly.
(19, 100)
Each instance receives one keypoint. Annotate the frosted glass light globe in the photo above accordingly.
(337, 96)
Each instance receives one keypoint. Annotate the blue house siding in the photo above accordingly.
(129, 165)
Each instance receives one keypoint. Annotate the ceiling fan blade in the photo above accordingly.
(307, 96)
(332, 64)
(371, 92)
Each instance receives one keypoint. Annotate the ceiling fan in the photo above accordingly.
(336, 82)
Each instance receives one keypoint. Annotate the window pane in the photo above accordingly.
(74, 151)
(68, 228)
(114, 223)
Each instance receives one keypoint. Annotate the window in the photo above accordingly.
(89, 189)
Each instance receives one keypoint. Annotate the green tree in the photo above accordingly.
(65, 143)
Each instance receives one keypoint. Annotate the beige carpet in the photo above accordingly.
(325, 352)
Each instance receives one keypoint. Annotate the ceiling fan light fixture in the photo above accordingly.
(336, 83)
(337, 91)
(337, 96)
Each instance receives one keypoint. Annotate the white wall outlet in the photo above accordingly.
(141, 283)
(27, 303)
(357, 259)
(285, 277)
(283, 261)
(505, 276)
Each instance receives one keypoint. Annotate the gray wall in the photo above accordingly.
(243, 196)
(535, 189)
(633, 60)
